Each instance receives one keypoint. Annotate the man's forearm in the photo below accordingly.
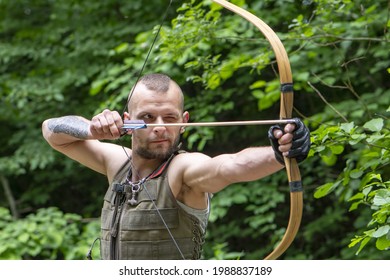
(248, 165)
(70, 125)
(63, 130)
(256, 162)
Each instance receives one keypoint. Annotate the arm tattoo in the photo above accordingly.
(70, 125)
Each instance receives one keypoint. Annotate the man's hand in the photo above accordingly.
(106, 125)
(292, 141)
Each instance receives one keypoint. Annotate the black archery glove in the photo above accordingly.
(300, 144)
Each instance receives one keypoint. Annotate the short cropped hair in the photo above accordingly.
(156, 82)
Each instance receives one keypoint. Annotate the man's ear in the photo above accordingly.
(186, 117)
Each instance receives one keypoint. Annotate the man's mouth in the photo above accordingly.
(159, 141)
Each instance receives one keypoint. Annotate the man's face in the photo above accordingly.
(157, 108)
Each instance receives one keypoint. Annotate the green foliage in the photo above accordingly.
(364, 180)
(220, 253)
(243, 214)
(355, 149)
(47, 234)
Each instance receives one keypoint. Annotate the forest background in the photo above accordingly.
(78, 57)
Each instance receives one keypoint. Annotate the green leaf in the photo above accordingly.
(357, 138)
(363, 244)
(382, 198)
(214, 81)
(347, 127)
(326, 189)
(259, 94)
(23, 237)
(357, 196)
(258, 84)
(308, 32)
(383, 230)
(375, 138)
(97, 86)
(382, 243)
(366, 190)
(354, 205)
(329, 160)
(337, 149)
(122, 47)
(240, 199)
(355, 241)
(374, 125)
(354, 174)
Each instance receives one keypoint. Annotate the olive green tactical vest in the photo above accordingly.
(137, 231)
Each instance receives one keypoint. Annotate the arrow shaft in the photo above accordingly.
(130, 124)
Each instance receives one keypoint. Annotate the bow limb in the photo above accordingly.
(286, 106)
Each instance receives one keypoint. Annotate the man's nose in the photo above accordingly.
(160, 122)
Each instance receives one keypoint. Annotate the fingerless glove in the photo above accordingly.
(300, 144)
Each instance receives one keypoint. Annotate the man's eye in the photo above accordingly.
(147, 117)
(170, 119)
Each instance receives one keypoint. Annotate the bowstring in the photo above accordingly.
(143, 67)
(124, 110)
(148, 55)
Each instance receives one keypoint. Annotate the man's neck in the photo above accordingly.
(142, 168)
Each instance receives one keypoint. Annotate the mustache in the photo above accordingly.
(160, 138)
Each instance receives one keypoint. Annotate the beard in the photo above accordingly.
(159, 154)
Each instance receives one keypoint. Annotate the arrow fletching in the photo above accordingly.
(133, 125)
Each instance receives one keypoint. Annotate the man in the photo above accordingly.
(157, 204)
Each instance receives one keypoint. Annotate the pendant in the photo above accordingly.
(135, 188)
(133, 200)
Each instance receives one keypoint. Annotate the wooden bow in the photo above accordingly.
(286, 106)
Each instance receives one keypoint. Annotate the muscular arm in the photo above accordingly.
(211, 175)
(204, 174)
(74, 137)
(65, 130)
(248, 165)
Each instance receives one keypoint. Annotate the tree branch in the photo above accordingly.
(326, 102)
(9, 196)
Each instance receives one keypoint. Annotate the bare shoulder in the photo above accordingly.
(201, 173)
(184, 163)
(183, 166)
(183, 160)
(114, 158)
(102, 157)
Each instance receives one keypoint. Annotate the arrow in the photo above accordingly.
(139, 124)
